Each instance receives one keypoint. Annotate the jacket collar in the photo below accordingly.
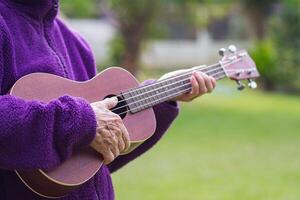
(38, 9)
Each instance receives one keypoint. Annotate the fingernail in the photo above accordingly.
(194, 79)
(114, 98)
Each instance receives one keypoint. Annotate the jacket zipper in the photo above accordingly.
(96, 186)
(49, 40)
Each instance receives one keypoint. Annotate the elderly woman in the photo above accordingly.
(37, 135)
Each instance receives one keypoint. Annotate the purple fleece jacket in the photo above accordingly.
(34, 134)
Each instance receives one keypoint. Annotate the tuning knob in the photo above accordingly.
(232, 49)
(252, 84)
(222, 52)
(241, 86)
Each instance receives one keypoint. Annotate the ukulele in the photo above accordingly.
(135, 104)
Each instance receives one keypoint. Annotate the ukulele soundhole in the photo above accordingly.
(121, 108)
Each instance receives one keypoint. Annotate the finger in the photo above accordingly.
(125, 136)
(114, 132)
(121, 143)
(119, 134)
(110, 102)
(208, 83)
(201, 83)
(213, 81)
(115, 149)
(195, 86)
(95, 143)
(108, 157)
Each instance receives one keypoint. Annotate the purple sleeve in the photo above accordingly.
(42, 135)
(165, 114)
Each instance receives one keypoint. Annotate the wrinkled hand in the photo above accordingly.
(201, 84)
(112, 137)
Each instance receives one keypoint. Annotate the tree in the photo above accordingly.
(80, 9)
(133, 18)
(257, 12)
(136, 20)
(277, 56)
(285, 34)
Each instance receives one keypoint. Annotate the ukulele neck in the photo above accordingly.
(144, 97)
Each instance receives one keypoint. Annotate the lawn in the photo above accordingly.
(224, 146)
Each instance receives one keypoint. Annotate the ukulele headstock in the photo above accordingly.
(238, 65)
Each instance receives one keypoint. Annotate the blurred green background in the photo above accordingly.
(227, 145)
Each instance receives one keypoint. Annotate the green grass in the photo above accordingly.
(224, 146)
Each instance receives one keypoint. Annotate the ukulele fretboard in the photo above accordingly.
(146, 96)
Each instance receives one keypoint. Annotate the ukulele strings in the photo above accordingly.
(221, 66)
(182, 91)
(176, 76)
(161, 81)
(216, 67)
(165, 97)
(156, 89)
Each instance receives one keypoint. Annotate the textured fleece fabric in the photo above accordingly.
(34, 134)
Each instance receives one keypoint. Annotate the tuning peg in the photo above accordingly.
(222, 52)
(241, 86)
(232, 49)
(252, 84)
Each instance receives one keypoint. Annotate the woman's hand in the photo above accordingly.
(201, 84)
(112, 137)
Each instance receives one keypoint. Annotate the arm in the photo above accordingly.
(42, 135)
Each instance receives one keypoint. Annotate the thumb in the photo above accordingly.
(110, 102)
(198, 67)
(170, 74)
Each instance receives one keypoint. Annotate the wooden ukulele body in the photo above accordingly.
(84, 163)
